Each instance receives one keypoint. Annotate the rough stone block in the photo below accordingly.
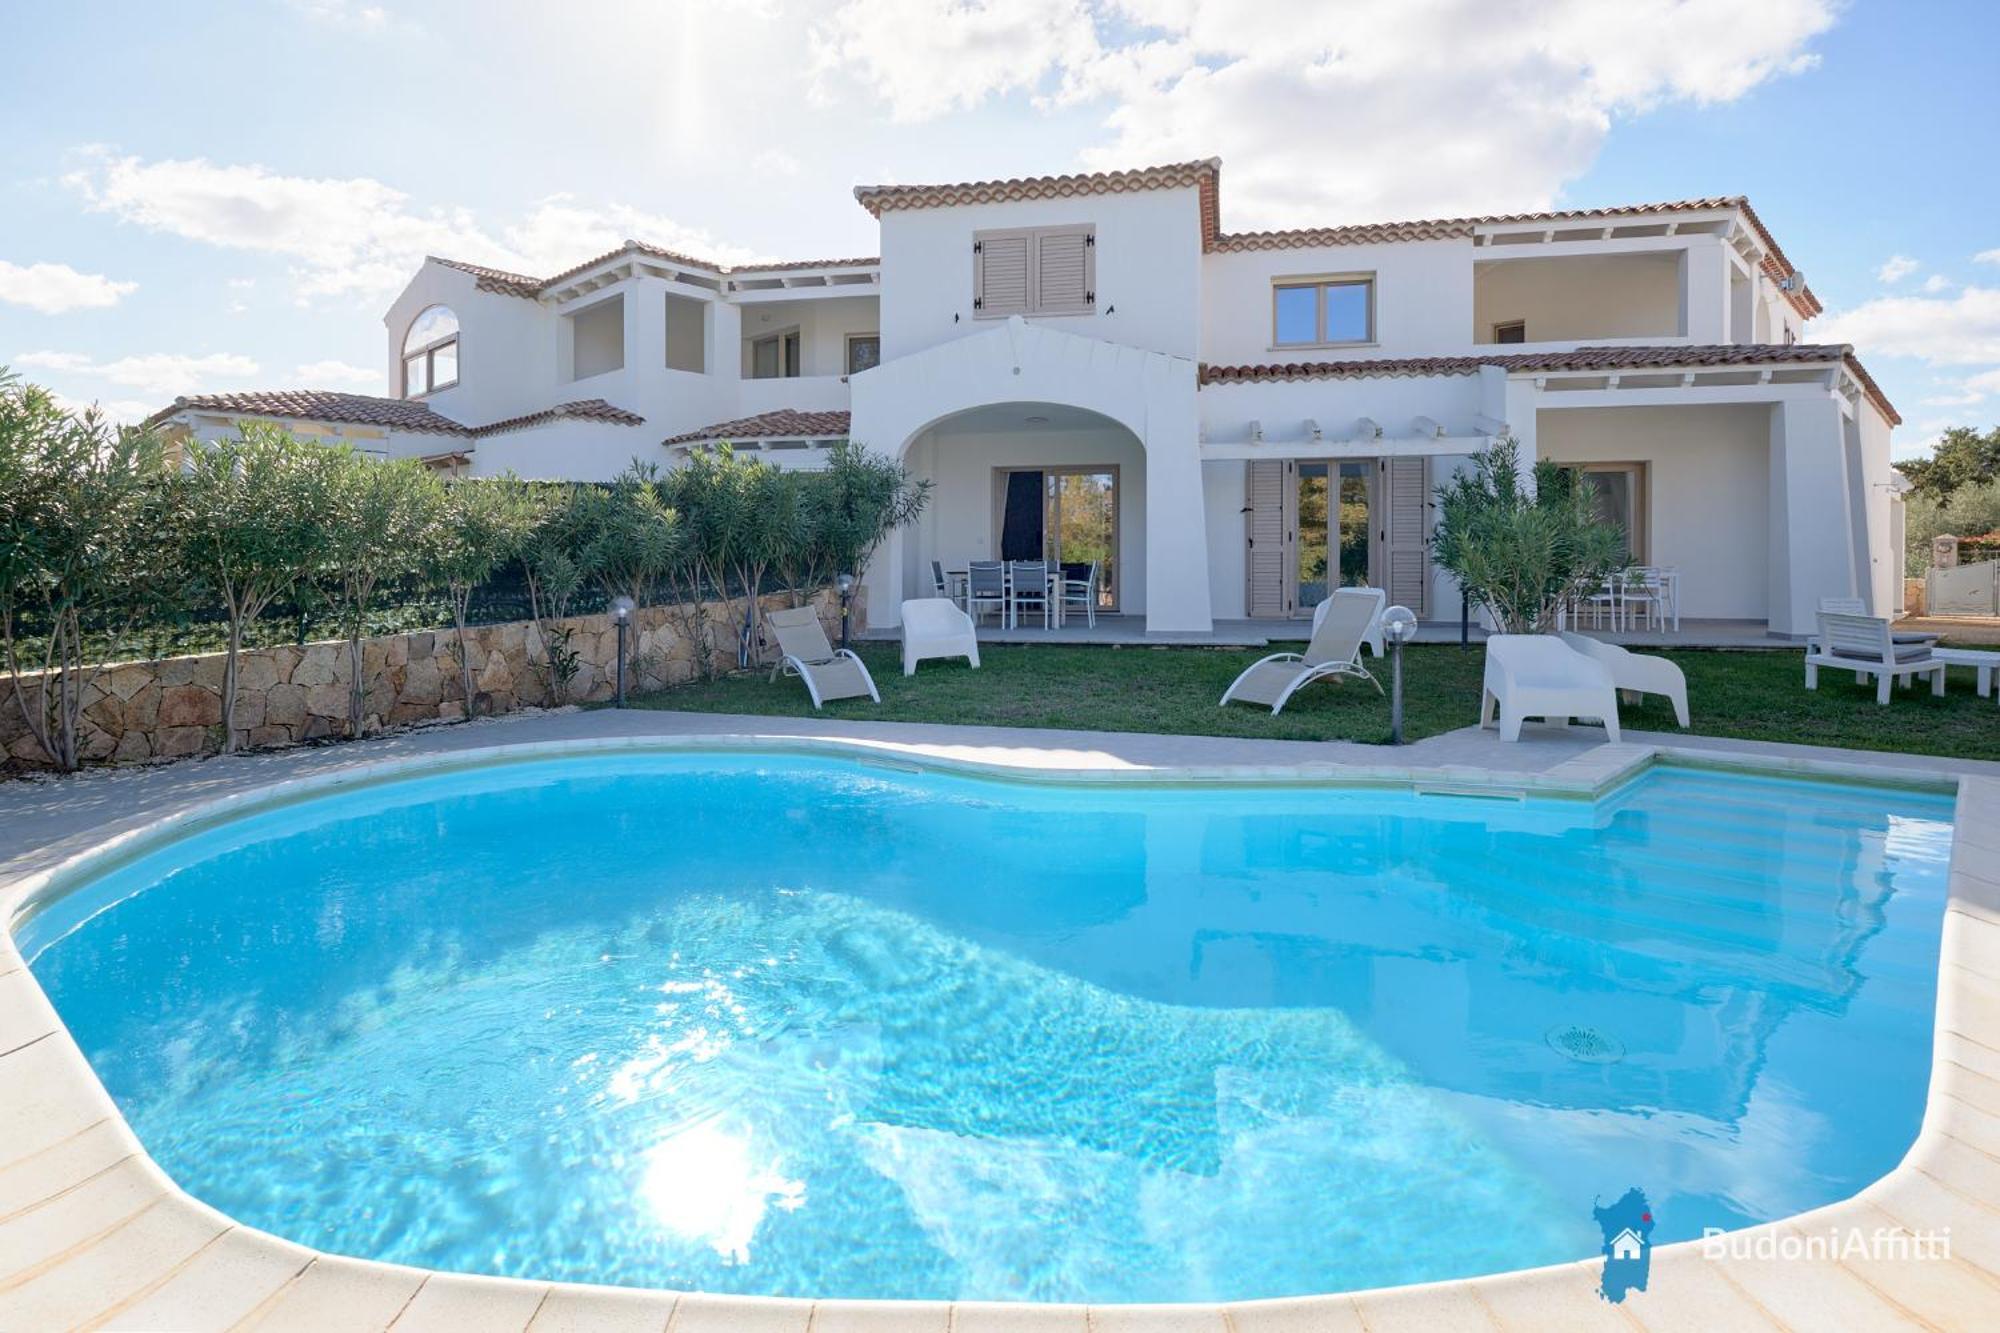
(189, 706)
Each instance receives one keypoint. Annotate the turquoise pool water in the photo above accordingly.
(799, 1026)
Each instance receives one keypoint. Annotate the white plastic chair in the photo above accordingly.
(1375, 597)
(1538, 675)
(1335, 651)
(986, 585)
(805, 652)
(1643, 592)
(1636, 673)
(1865, 646)
(935, 627)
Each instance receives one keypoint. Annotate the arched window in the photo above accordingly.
(430, 352)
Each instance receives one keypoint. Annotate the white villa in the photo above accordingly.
(1240, 418)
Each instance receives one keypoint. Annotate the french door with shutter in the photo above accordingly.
(1314, 525)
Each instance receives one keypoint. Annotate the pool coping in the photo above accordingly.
(94, 1234)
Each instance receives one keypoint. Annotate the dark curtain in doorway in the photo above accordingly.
(1021, 521)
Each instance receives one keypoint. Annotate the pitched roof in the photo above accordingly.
(583, 409)
(785, 424)
(521, 284)
(1205, 174)
(390, 413)
(1606, 359)
(318, 405)
(494, 279)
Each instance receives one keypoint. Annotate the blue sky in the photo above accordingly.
(227, 196)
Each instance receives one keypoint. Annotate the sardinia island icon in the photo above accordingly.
(1628, 1244)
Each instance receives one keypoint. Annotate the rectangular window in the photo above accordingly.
(1516, 332)
(1034, 271)
(864, 352)
(416, 377)
(1619, 497)
(1322, 312)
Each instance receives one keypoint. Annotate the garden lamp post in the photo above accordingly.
(845, 584)
(1399, 626)
(621, 616)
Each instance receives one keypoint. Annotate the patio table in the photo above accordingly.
(1981, 662)
(961, 579)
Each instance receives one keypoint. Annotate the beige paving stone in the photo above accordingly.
(1156, 1319)
(1941, 1291)
(38, 1237)
(881, 1317)
(1812, 1293)
(449, 1302)
(697, 1313)
(1306, 1314)
(573, 1309)
(1553, 1299)
(62, 1166)
(96, 1279)
(1958, 1164)
(50, 1095)
(1922, 1203)
(1444, 1307)
(335, 1295)
(220, 1285)
(25, 1013)
(1972, 941)
(1685, 1291)
(1963, 1050)
(999, 1317)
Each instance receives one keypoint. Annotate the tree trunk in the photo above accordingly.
(357, 694)
(229, 685)
(464, 653)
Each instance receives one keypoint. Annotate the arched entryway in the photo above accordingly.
(1031, 481)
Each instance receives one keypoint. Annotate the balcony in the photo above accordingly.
(1546, 304)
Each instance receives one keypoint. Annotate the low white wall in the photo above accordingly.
(1708, 488)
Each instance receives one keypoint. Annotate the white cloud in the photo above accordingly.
(357, 237)
(344, 14)
(55, 288)
(328, 374)
(1323, 113)
(1961, 330)
(1896, 269)
(1988, 257)
(775, 162)
(156, 374)
(1937, 282)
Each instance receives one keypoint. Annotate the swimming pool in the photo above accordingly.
(802, 1026)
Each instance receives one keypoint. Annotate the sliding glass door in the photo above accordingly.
(1066, 515)
(1334, 543)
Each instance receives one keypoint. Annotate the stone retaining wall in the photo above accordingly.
(287, 695)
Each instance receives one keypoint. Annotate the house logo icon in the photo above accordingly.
(1626, 1244)
(1627, 1226)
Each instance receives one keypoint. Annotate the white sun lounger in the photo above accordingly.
(1538, 675)
(1866, 646)
(935, 627)
(1636, 673)
(829, 672)
(1375, 597)
(1335, 651)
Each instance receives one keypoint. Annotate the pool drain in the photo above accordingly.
(1586, 1045)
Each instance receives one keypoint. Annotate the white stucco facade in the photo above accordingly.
(1209, 386)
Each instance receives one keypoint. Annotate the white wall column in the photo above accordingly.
(646, 326)
(1706, 298)
(1811, 531)
(1177, 573)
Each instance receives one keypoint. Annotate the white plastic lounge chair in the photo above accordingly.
(1335, 651)
(1375, 597)
(986, 585)
(935, 627)
(1538, 675)
(1864, 645)
(1636, 673)
(829, 672)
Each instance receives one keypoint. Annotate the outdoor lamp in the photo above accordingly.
(621, 615)
(1399, 626)
(844, 584)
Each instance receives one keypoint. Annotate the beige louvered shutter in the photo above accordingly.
(1266, 597)
(1406, 553)
(1065, 270)
(1000, 272)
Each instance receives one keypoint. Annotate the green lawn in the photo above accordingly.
(1750, 695)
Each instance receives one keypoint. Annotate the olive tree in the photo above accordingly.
(481, 524)
(248, 518)
(1523, 546)
(377, 518)
(553, 562)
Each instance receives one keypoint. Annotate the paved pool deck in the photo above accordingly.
(94, 1235)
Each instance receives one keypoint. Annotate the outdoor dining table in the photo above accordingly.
(959, 581)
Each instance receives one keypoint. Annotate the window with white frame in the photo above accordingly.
(1323, 312)
(1034, 271)
(430, 352)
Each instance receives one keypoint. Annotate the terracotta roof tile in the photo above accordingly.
(879, 199)
(389, 413)
(1583, 358)
(318, 405)
(520, 284)
(785, 423)
(494, 279)
(583, 409)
